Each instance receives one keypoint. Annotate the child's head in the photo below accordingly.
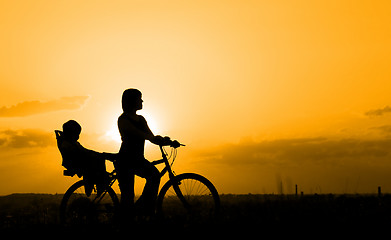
(131, 100)
(71, 130)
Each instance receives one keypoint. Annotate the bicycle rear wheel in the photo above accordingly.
(197, 199)
(79, 209)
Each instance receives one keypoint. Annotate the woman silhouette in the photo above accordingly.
(134, 131)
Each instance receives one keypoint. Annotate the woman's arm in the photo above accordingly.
(126, 127)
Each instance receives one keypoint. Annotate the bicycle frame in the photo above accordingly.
(171, 175)
(166, 169)
(164, 160)
(180, 186)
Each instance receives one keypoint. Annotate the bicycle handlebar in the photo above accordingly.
(174, 144)
(166, 141)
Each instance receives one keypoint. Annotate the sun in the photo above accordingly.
(113, 134)
(152, 124)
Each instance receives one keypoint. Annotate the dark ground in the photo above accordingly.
(240, 214)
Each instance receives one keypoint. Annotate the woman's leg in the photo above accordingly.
(126, 185)
(147, 170)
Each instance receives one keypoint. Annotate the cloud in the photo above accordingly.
(26, 138)
(378, 112)
(294, 152)
(384, 129)
(28, 108)
(332, 165)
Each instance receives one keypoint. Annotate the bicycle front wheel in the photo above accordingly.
(188, 196)
(79, 209)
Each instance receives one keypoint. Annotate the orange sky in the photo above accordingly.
(261, 92)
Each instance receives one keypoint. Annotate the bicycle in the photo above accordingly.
(187, 196)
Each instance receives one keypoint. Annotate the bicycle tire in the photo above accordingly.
(75, 200)
(200, 194)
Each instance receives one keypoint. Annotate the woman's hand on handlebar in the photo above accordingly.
(158, 140)
(175, 144)
(166, 141)
(162, 141)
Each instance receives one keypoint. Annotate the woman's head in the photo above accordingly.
(131, 100)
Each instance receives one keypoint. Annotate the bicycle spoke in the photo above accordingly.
(78, 208)
(199, 201)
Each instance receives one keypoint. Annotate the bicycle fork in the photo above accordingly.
(178, 192)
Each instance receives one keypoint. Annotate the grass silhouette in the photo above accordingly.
(240, 213)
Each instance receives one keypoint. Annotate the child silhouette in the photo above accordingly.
(83, 161)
